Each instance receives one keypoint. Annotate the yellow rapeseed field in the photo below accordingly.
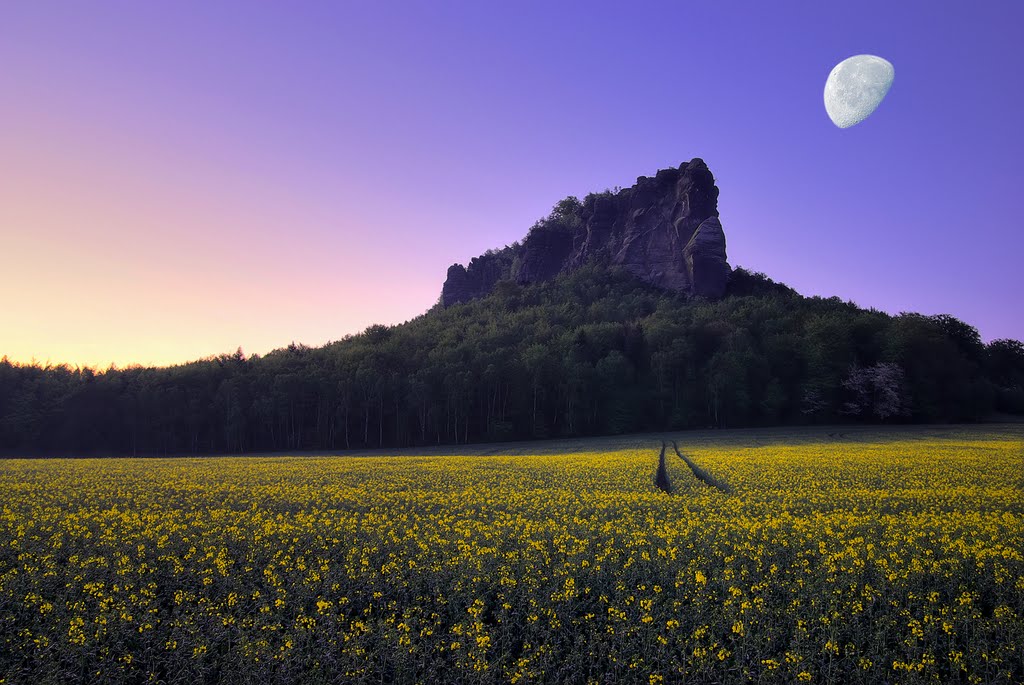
(880, 558)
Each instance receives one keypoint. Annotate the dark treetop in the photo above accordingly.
(590, 352)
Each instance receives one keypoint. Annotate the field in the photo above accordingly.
(867, 556)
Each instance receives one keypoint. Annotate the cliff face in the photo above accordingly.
(664, 230)
(464, 284)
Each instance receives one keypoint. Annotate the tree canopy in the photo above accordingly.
(590, 352)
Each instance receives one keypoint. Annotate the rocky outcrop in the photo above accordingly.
(704, 256)
(476, 280)
(665, 230)
(544, 254)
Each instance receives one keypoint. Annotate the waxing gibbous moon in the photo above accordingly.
(856, 87)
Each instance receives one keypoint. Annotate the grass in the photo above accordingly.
(837, 555)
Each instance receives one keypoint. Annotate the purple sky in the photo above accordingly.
(179, 179)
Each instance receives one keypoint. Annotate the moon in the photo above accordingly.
(856, 87)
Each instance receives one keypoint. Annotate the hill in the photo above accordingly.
(592, 351)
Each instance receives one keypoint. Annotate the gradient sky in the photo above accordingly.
(181, 179)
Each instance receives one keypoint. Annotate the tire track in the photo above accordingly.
(700, 473)
(661, 479)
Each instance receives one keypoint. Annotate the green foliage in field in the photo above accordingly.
(893, 561)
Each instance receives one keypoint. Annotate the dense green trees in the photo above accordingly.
(591, 352)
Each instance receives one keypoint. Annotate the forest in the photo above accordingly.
(588, 353)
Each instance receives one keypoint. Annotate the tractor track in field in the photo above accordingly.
(701, 475)
(661, 479)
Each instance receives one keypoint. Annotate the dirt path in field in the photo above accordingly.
(661, 480)
(700, 473)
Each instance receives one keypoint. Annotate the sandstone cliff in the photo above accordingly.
(664, 230)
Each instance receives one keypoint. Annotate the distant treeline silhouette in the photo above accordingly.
(591, 352)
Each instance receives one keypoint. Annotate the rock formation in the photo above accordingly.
(664, 230)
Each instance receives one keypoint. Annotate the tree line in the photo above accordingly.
(591, 352)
